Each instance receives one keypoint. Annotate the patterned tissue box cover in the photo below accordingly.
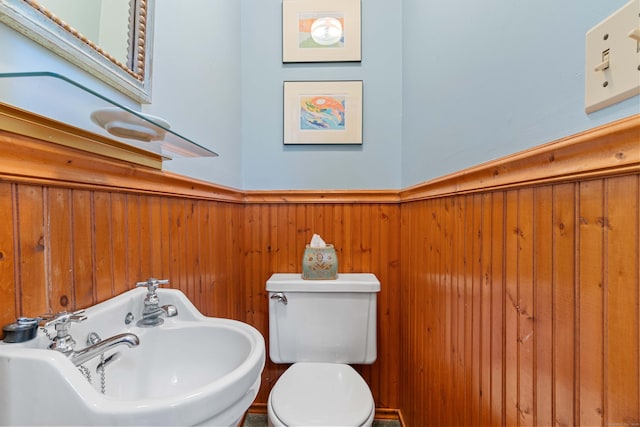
(320, 263)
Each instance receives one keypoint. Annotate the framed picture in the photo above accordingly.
(320, 31)
(323, 112)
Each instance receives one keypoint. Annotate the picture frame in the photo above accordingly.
(323, 112)
(321, 31)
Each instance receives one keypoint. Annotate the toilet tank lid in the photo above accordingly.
(346, 282)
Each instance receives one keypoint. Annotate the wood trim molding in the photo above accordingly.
(30, 161)
(22, 122)
(322, 196)
(611, 149)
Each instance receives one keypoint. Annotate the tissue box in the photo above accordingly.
(320, 263)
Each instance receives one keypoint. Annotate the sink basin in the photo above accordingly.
(191, 370)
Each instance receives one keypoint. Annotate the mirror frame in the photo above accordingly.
(46, 29)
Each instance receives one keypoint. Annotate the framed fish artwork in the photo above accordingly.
(323, 112)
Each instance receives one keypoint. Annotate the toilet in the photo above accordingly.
(321, 326)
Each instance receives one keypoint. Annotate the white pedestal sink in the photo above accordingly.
(191, 370)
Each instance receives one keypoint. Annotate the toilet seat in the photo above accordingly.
(321, 394)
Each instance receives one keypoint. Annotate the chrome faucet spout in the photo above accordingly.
(81, 356)
(169, 310)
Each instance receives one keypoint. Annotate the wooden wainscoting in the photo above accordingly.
(520, 296)
(63, 249)
(78, 228)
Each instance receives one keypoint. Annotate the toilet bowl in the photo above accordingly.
(320, 394)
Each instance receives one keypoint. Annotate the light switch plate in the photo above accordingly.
(614, 40)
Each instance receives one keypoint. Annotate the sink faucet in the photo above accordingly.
(152, 311)
(65, 344)
(88, 353)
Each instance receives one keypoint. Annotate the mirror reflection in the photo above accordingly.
(105, 23)
(108, 38)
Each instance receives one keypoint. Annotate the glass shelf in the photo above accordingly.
(61, 99)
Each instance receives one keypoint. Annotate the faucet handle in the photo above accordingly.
(61, 320)
(63, 342)
(152, 284)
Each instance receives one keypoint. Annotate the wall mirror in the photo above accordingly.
(111, 39)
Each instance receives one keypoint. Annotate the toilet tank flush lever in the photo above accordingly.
(280, 296)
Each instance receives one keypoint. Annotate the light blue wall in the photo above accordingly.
(448, 86)
(487, 79)
(267, 163)
(197, 85)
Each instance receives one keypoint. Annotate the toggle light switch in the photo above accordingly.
(612, 59)
(605, 62)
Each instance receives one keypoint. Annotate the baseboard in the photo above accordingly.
(401, 418)
(258, 408)
(387, 414)
(381, 413)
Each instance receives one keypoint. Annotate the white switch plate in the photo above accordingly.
(612, 39)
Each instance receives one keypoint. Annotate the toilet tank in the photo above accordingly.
(322, 320)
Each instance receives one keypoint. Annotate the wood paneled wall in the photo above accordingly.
(69, 248)
(520, 306)
(509, 292)
(63, 249)
(77, 228)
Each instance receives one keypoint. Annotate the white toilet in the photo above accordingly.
(321, 326)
